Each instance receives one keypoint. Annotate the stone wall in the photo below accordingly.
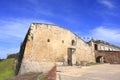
(108, 56)
(46, 44)
(15, 55)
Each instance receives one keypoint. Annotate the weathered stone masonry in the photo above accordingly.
(46, 45)
(106, 52)
(108, 56)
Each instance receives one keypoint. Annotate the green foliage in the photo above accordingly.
(7, 69)
(42, 77)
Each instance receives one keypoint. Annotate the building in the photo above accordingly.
(105, 46)
(46, 45)
(13, 55)
(106, 52)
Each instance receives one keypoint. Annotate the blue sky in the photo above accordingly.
(99, 19)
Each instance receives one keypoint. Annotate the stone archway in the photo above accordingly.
(100, 59)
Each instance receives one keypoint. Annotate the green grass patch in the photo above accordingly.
(42, 77)
(7, 69)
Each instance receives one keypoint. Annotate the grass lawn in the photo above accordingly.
(7, 69)
(42, 77)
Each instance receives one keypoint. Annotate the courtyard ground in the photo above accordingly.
(95, 72)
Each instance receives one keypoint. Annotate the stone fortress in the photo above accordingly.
(105, 46)
(47, 45)
(106, 52)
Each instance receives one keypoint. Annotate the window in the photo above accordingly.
(96, 47)
(48, 40)
(62, 41)
(73, 42)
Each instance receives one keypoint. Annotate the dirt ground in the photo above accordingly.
(95, 72)
(31, 76)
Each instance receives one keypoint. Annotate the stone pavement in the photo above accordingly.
(95, 72)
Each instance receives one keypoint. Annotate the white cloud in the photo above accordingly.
(107, 3)
(106, 34)
(12, 33)
(16, 27)
(102, 33)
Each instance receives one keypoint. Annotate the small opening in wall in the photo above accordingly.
(62, 41)
(96, 47)
(73, 42)
(32, 37)
(48, 40)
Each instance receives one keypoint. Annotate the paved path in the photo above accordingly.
(95, 72)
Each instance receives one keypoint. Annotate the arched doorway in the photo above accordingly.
(100, 59)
